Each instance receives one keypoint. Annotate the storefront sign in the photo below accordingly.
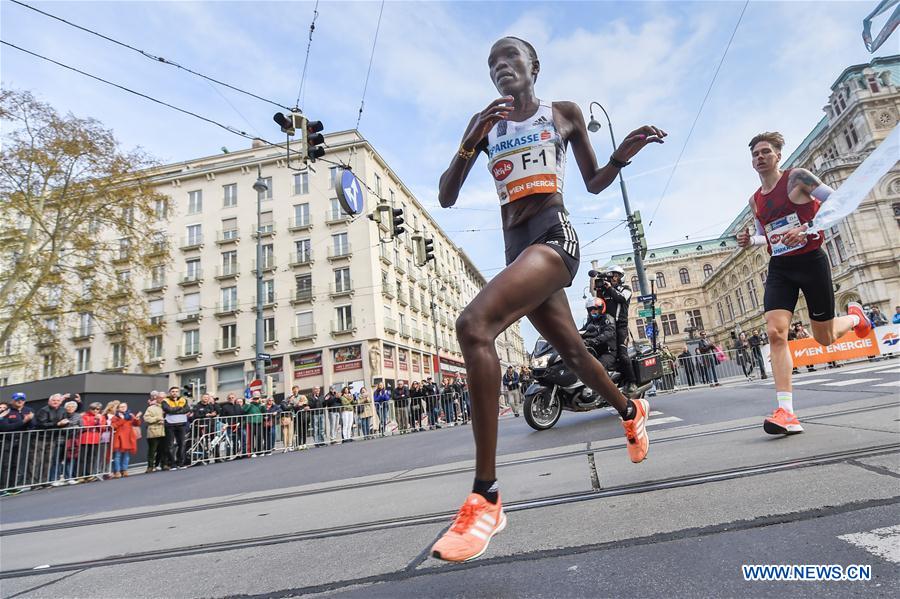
(348, 357)
(415, 363)
(309, 364)
(388, 356)
(402, 357)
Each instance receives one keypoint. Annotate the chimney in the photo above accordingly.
(257, 143)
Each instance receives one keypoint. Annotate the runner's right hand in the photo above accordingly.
(743, 239)
(495, 112)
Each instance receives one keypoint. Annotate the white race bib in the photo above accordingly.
(525, 163)
(775, 231)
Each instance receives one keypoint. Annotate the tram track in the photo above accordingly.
(588, 451)
(674, 482)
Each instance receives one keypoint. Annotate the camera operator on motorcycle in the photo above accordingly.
(617, 296)
(599, 333)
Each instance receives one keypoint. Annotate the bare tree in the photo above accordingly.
(80, 225)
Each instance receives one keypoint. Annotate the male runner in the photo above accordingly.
(783, 206)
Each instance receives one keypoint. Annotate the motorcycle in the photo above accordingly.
(557, 388)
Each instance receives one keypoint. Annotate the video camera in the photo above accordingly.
(598, 278)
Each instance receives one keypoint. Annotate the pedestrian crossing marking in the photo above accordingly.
(666, 420)
(850, 382)
(809, 382)
(891, 384)
(883, 542)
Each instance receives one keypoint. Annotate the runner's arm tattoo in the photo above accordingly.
(809, 183)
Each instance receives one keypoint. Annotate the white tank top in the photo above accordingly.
(527, 157)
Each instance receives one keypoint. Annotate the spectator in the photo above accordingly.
(50, 444)
(755, 348)
(286, 419)
(253, 424)
(457, 387)
(18, 419)
(877, 317)
(231, 413)
(896, 318)
(447, 402)
(72, 438)
(511, 389)
(366, 411)
(93, 423)
(126, 426)
(416, 396)
(333, 406)
(202, 420)
(701, 366)
(271, 416)
(382, 407)
(156, 434)
(687, 365)
(301, 409)
(432, 402)
(348, 406)
(401, 406)
(175, 407)
(710, 361)
(317, 407)
(106, 436)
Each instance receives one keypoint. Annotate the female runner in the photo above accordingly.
(525, 141)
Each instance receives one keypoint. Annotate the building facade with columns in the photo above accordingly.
(862, 109)
(342, 302)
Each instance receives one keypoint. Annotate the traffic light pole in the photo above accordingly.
(260, 187)
(437, 348)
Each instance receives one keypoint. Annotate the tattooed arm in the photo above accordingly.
(808, 184)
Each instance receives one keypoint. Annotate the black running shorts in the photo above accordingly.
(810, 273)
(551, 227)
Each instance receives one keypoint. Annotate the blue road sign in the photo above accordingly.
(350, 193)
(647, 298)
(649, 329)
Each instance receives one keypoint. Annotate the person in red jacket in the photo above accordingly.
(93, 423)
(125, 437)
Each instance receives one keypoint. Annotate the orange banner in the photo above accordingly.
(528, 185)
(808, 352)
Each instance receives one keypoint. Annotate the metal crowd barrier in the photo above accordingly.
(40, 457)
(707, 369)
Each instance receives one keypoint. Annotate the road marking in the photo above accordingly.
(809, 382)
(663, 420)
(655, 413)
(850, 382)
(883, 542)
(891, 384)
(878, 368)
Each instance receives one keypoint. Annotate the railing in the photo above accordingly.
(303, 332)
(299, 224)
(336, 253)
(227, 236)
(332, 217)
(227, 270)
(54, 456)
(710, 369)
(301, 258)
(191, 242)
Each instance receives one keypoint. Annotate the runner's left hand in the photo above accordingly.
(795, 236)
(636, 140)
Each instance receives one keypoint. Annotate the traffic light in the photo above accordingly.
(289, 123)
(397, 222)
(423, 248)
(313, 140)
(429, 249)
(637, 229)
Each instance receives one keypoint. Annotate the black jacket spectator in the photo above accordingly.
(230, 409)
(47, 417)
(316, 402)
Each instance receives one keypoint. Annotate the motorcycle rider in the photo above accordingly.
(599, 332)
(617, 296)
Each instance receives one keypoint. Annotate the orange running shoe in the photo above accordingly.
(782, 422)
(476, 522)
(636, 431)
(864, 326)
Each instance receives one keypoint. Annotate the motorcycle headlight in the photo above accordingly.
(540, 361)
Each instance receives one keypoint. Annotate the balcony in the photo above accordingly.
(400, 266)
(384, 255)
(191, 316)
(342, 328)
(387, 290)
(226, 236)
(191, 242)
(390, 325)
(45, 339)
(267, 265)
(414, 303)
(117, 329)
(82, 333)
(343, 290)
(158, 248)
(403, 298)
(152, 361)
(336, 218)
(266, 229)
(226, 308)
(302, 296)
(427, 338)
(301, 259)
(303, 333)
(191, 277)
(227, 271)
(188, 352)
(404, 331)
(268, 343)
(227, 346)
(122, 257)
(155, 285)
(299, 224)
(339, 253)
(114, 365)
(268, 303)
(416, 334)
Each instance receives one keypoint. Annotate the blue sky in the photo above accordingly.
(647, 62)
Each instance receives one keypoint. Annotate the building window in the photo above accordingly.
(157, 275)
(305, 324)
(720, 313)
(230, 377)
(229, 195)
(229, 298)
(268, 255)
(754, 298)
(642, 333)
(670, 324)
(635, 284)
(332, 177)
(124, 248)
(762, 276)
(730, 307)
(344, 318)
(191, 303)
(229, 262)
(269, 329)
(83, 359)
(301, 215)
(342, 280)
(301, 183)
(266, 224)
(267, 194)
(268, 292)
(340, 244)
(873, 83)
(48, 366)
(229, 336)
(377, 185)
(161, 208)
(304, 250)
(194, 234)
(154, 347)
(742, 306)
(191, 343)
(192, 270)
(85, 324)
(335, 212)
(304, 285)
(195, 202)
(117, 355)
(707, 271)
(695, 319)
(685, 276)
(660, 280)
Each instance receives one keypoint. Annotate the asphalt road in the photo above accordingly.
(716, 493)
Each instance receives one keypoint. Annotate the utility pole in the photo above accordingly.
(260, 187)
(437, 348)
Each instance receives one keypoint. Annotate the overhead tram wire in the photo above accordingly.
(150, 56)
(362, 102)
(312, 28)
(699, 111)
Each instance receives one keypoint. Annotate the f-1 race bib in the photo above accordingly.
(526, 162)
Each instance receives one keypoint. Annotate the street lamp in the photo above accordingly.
(260, 187)
(594, 126)
(437, 347)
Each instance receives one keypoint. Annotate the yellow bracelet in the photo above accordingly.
(464, 153)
